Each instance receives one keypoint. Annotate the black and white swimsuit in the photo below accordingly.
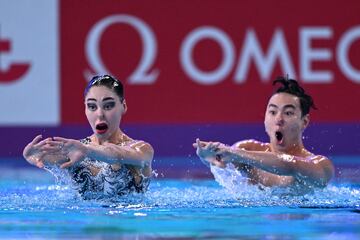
(108, 182)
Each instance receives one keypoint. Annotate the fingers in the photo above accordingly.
(199, 143)
(52, 149)
(43, 142)
(67, 164)
(62, 142)
(36, 139)
(56, 144)
(212, 146)
(47, 146)
(34, 146)
(207, 145)
(54, 140)
(196, 144)
(35, 161)
(60, 139)
(37, 142)
(216, 144)
(39, 164)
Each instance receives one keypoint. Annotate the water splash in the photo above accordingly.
(231, 179)
(229, 190)
(251, 195)
(61, 176)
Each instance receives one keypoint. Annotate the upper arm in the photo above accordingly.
(317, 169)
(142, 149)
(147, 150)
(327, 166)
(142, 152)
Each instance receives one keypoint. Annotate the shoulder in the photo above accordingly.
(137, 144)
(320, 159)
(324, 162)
(321, 169)
(140, 146)
(252, 145)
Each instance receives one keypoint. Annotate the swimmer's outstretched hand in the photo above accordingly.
(207, 152)
(35, 151)
(73, 149)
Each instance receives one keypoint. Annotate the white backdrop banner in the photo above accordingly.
(29, 69)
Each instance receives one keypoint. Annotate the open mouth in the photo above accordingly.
(101, 128)
(279, 137)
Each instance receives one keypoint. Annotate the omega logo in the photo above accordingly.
(143, 74)
(250, 52)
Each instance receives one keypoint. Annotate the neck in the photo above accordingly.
(292, 149)
(117, 137)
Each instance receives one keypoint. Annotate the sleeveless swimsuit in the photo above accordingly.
(107, 182)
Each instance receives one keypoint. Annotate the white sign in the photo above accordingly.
(29, 63)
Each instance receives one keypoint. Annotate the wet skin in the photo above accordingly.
(104, 111)
(283, 161)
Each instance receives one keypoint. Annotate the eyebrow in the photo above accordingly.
(286, 106)
(105, 99)
(108, 98)
(272, 105)
(290, 106)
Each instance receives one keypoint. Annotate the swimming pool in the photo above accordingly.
(33, 207)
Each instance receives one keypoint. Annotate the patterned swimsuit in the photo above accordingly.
(108, 182)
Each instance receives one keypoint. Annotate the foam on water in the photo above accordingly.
(230, 189)
(251, 195)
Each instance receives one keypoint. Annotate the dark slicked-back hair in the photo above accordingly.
(292, 87)
(108, 81)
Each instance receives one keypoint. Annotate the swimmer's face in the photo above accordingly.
(283, 121)
(104, 110)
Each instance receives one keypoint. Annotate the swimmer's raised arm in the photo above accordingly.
(137, 153)
(314, 169)
(207, 151)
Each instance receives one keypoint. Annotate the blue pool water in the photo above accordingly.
(32, 206)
